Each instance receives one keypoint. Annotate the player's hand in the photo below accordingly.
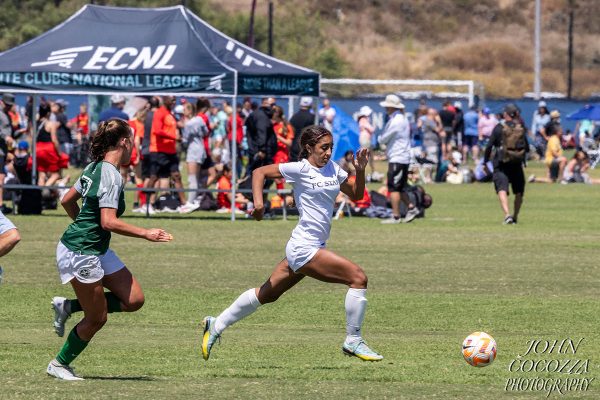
(158, 235)
(361, 159)
(258, 212)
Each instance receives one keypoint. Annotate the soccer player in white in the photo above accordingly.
(316, 181)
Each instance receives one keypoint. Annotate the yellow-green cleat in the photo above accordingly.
(361, 350)
(209, 337)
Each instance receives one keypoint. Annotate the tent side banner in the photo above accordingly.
(302, 85)
(127, 82)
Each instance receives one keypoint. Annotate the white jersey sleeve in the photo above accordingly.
(110, 187)
(291, 171)
(341, 174)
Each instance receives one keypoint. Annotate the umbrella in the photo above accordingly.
(589, 111)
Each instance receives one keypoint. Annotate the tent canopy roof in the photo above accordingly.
(103, 49)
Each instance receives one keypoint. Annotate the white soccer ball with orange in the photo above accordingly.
(479, 349)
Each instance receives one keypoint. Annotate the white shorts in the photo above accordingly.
(87, 268)
(299, 253)
(5, 224)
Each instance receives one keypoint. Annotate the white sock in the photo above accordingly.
(192, 184)
(243, 306)
(356, 305)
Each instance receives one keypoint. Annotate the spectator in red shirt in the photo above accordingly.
(224, 198)
(164, 162)
(239, 121)
(285, 137)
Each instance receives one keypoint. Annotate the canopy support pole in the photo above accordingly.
(34, 125)
(234, 154)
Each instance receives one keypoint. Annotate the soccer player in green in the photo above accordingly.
(83, 257)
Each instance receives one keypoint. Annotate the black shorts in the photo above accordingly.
(207, 163)
(2, 163)
(554, 169)
(163, 165)
(513, 174)
(146, 166)
(470, 141)
(396, 177)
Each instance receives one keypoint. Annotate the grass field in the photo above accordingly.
(431, 283)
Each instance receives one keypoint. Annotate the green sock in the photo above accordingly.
(72, 348)
(113, 304)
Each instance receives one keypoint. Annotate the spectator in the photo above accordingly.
(345, 162)
(224, 199)
(484, 172)
(208, 174)
(577, 168)
(327, 115)
(144, 145)
(194, 132)
(219, 122)
(446, 135)
(63, 131)
(47, 148)
(471, 135)
(584, 129)
(431, 132)
(458, 125)
(246, 108)
(509, 140)
(554, 160)
(396, 138)
(116, 109)
(81, 124)
(449, 170)
(137, 124)
(163, 149)
(300, 120)
(365, 134)
(540, 119)
(485, 125)
(262, 141)
(239, 121)
(285, 136)
(6, 140)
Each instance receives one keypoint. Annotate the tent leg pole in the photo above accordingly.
(233, 155)
(34, 126)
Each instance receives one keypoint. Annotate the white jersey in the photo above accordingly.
(315, 190)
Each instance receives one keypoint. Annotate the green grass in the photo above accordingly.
(431, 283)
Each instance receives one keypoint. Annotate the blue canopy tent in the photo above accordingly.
(143, 51)
(589, 111)
(345, 134)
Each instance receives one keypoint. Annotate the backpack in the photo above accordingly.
(514, 143)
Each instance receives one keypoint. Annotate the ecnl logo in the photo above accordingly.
(113, 58)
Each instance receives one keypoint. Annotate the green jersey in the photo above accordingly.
(100, 186)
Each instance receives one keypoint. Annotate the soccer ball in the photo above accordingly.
(479, 349)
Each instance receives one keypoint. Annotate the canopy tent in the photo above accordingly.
(108, 50)
(165, 50)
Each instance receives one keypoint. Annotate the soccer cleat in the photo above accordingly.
(60, 315)
(361, 350)
(61, 371)
(509, 220)
(531, 178)
(411, 214)
(188, 208)
(391, 220)
(208, 338)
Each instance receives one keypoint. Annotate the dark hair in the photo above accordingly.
(108, 135)
(310, 137)
(202, 104)
(154, 102)
(44, 110)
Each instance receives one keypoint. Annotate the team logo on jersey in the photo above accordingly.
(322, 184)
(112, 58)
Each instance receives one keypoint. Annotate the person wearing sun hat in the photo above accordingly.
(541, 118)
(396, 138)
(365, 132)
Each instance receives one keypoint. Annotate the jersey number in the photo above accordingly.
(86, 185)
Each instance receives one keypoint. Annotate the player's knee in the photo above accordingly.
(136, 303)
(14, 237)
(267, 297)
(359, 279)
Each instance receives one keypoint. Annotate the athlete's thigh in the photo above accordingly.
(124, 285)
(281, 280)
(327, 266)
(91, 298)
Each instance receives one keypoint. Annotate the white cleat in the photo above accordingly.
(60, 315)
(63, 372)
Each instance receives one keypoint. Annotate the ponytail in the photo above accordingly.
(108, 135)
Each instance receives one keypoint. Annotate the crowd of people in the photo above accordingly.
(432, 146)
